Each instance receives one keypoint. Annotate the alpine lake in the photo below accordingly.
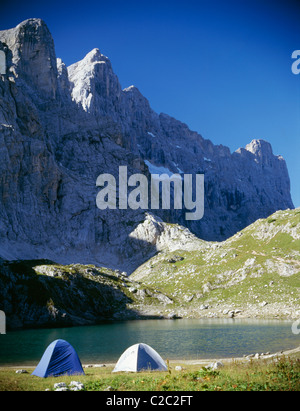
(183, 339)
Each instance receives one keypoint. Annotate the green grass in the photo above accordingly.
(256, 375)
(236, 270)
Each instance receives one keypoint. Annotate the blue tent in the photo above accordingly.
(60, 358)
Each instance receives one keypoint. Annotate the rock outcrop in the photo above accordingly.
(60, 127)
(51, 296)
(40, 293)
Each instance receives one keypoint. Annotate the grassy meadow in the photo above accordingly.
(275, 374)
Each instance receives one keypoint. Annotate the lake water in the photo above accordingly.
(172, 339)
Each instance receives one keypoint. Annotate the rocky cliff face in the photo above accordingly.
(60, 127)
(40, 293)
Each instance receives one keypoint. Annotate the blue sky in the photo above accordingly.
(221, 67)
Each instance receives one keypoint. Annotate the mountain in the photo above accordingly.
(61, 127)
(254, 274)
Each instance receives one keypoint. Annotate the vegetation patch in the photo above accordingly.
(280, 374)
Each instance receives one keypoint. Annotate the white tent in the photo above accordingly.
(140, 357)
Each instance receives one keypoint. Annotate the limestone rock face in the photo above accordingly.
(31, 55)
(95, 86)
(60, 127)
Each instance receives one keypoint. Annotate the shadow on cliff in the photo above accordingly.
(68, 298)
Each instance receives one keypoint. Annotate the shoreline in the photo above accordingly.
(228, 310)
(173, 315)
(202, 362)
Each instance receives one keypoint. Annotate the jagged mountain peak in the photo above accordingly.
(93, 55)
(35, 25)
(91, 58)
(32, 22)
(259, 146)
(93, 79)
(63, 126)
(130, 89)
(31, 55)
